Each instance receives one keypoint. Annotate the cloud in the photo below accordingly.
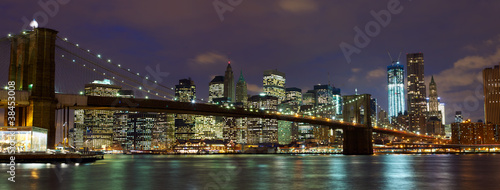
(377, 73)
(466, 71)
(352, 79)
(208, 58)
(254, 88)
(355, 70)
(298, 6)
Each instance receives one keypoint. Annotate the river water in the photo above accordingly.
(264, 172)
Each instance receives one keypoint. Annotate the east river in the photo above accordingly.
(478, 171)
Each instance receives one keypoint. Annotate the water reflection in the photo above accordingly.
(265, 172)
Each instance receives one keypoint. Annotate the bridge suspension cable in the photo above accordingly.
(119, 66)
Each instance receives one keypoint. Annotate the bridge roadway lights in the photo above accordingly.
(358, 141)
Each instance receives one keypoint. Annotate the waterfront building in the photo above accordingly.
(284, 132)
(96, 126)
(468, 132)
(262, 130)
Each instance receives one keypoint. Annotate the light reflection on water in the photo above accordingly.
(264, 172)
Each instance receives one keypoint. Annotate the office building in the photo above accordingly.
(491, 87)
(458, 117)
(417, 104)
(241, 91)
(395, 89)
(229, 83)
(274, 84)
(185, 91)
(468, 132)
(215, 88)
(96, 125)
(293, 96)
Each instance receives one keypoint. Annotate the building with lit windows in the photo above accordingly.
(293, 96)
(337, 101)
(284, 132)
(491, 87)
(395, 89)
(274, 84)
(25, 139)
(324, 94)
(96, 125)
(417, 104)
(185, 91)
(216, 88)
(442, 109)
(262, 130)
(309, 98)
(468, 132)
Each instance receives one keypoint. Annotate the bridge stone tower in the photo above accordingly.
(357, 140)
(32, 67)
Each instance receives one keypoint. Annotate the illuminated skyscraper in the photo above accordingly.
(274, 84)
(395, 86)
(229, 83)
(417, 104)
(97, 125)
(185, 91)
(337, 101)
(216, 88)
(294, 96)
(491, 86)
(324, 95)
(433, 99)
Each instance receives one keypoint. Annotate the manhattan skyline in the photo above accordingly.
(299, 38)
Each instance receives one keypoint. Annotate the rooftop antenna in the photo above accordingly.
(400, 52)
(329, 79)
(390, 57)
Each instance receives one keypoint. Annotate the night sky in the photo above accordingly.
(299, 37)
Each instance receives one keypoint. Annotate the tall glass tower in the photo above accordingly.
(395, 82)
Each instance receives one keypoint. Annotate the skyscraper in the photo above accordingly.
(491, 86)
(324, 94)
(433, 100)
(395, 89)
(216, 88)
(185, 91)
(294, 96)
(458, 117)
(417, 104)
(229, 83)
(97, 125)
(274, 84)
(241, 90)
